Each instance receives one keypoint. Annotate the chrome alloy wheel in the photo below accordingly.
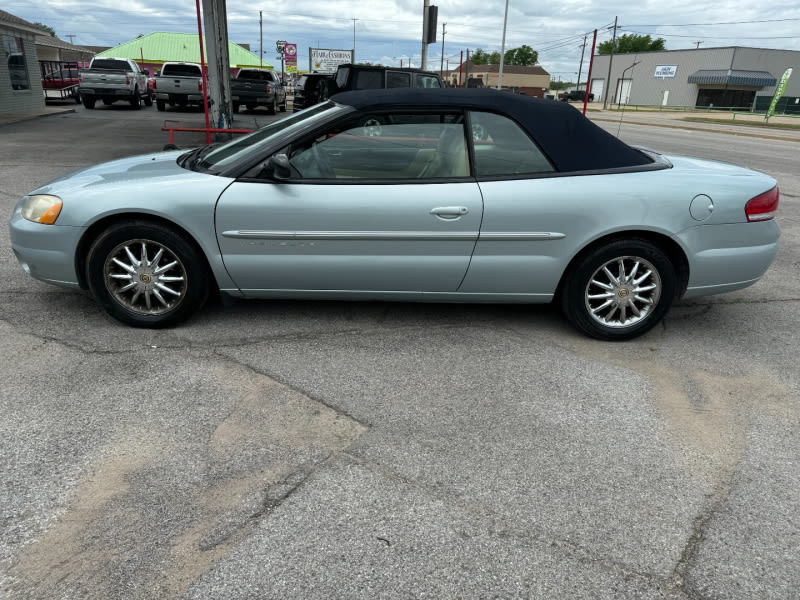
(623, 291)
(145, 277)
(372, 127)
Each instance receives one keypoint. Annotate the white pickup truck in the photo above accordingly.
(112, 79)
(178, 83)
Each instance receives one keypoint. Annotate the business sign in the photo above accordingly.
(779, 92)
(665, 71)
(325, 60)
(290, 53)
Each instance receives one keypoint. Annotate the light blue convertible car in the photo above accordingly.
(442, 195)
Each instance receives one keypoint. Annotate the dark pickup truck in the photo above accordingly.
(575, 96)
(258, 87)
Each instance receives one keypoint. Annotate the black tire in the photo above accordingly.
(250, 106)
(161, 105)
(236, 107)
(107, 102)
(619, 291)
(88, 101)
(136, 99)
(173, 294)
(148, 100)
(273, 108)
(282, 107)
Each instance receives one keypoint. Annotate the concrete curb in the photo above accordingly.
(16, 117)
(743, 132)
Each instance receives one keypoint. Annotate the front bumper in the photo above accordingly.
(46, 252)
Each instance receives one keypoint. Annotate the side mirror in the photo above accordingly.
(277, 167)
(147, 72)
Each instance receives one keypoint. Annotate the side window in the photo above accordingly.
(14, 50)
(385, 146)
(503, 148)
(395, 79)
(368, 80)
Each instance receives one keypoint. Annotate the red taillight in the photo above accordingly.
(128, 80)
(155, 84)
(200, 85)
(763, 207)
(269, 89)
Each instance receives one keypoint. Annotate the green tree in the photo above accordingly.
(631, 42)
(47, 28)
(524, 55)
(479, 57)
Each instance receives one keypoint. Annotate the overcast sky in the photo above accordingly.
(389, 31)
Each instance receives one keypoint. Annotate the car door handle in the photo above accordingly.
(449, 212)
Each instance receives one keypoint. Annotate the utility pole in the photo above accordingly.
(502, 51)
(354, 40)
(698, 44)
(261, 33)
(424, 60)
(71, 36)
(441, 63)
(580, 68)
(610, 58)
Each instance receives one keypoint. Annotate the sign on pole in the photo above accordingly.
(324, 60)
(778, 92)
(290, 50)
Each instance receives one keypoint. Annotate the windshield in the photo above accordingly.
(233, 151)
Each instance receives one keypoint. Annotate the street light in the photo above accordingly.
(622, 81)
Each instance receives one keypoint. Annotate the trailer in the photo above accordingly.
(60, 80)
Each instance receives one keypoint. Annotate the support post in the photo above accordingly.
(219, 71)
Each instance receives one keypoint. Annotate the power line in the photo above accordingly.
(720, 23)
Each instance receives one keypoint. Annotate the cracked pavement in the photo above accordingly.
(360, 450)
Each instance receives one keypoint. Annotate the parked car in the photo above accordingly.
(458, 196)
(367, 77)
(575, 96)
(178, 83)
(307, 90)
(113, 79)
(258, 87)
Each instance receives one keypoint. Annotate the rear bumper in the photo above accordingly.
(724, 258)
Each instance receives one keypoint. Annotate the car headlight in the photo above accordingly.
(41, 208)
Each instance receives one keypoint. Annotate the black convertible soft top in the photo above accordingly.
(571, 141)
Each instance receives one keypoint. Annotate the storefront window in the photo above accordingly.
(14, 52)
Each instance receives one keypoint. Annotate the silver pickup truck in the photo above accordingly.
(112, 79)
(178, 83)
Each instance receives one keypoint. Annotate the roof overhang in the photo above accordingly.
(733, 77)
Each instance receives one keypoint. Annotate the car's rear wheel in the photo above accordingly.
(273, 108)
(236, 107)
(161, 105)
(88, 101)
(619, 291)
(146, 274)
(148, 100)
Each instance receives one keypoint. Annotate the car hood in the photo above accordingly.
(149, 183)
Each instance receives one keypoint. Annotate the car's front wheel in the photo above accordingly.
(619, 291)
(146, 274)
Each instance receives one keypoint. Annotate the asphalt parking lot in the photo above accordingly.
(361, 450)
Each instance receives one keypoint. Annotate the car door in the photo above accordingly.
(380, 204)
